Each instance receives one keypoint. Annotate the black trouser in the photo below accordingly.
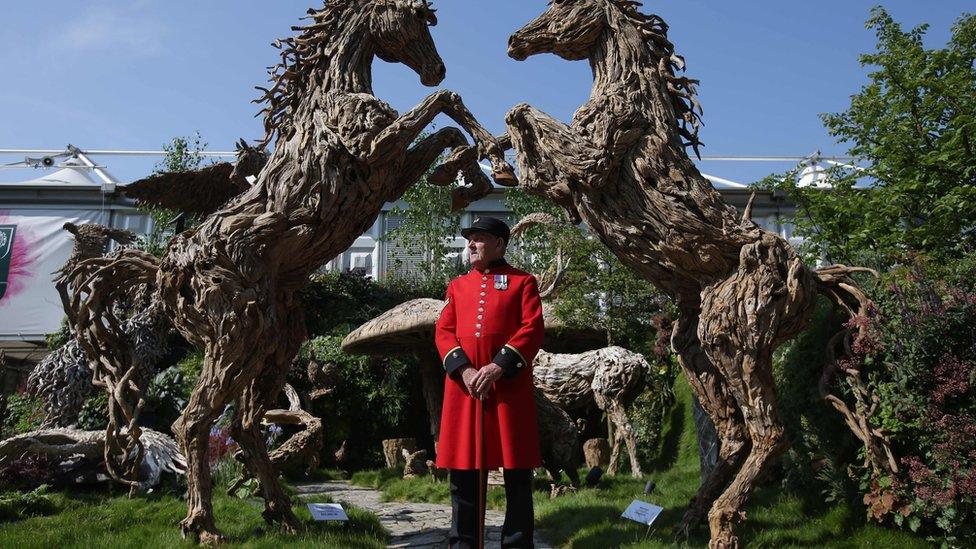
(519, 516)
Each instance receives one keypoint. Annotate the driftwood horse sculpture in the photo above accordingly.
(230, 284)
(621, 167)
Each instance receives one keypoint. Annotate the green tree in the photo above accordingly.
(596, 290)
(914, 127)
(183, 154)
(427, 229)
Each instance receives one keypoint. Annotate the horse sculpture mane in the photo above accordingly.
(305, 57)
(683, 91)
(302, 58)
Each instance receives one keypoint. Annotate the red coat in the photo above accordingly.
(490, 316)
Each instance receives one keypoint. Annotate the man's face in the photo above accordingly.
(484, 247)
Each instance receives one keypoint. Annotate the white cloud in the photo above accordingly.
(131, 27)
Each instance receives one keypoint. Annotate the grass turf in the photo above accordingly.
(590, 518)
(87, 520)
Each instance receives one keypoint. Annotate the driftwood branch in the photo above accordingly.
(78, 456)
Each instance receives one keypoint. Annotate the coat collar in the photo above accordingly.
(496, 265)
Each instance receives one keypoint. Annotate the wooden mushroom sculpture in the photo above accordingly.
(407, 329)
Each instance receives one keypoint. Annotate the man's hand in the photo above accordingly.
(486, 377)
(469, 375)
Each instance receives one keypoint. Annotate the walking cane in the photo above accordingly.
(482, 473)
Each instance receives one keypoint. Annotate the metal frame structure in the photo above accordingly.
(371, 251)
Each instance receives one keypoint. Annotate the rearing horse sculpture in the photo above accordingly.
(230, 284)
(622, 168)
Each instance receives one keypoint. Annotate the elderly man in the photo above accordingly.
(488, 334)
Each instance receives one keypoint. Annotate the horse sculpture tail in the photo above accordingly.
(103, 291)
(835, 282)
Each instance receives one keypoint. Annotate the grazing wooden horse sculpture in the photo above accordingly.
(230, 284)
(621, 167)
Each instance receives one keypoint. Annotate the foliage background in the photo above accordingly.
(911, 214)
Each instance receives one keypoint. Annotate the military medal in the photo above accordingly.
(501, 282)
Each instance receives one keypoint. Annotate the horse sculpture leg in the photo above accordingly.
(713, 394)
(233, 356)
(743, 319)
(246, 431)
(552, 157)
(391, 143)
(623, 436)
(757, 402)
(192, 431)
(566, 152)
(260, 395)
(463, 158)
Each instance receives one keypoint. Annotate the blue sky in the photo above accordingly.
(133, 74)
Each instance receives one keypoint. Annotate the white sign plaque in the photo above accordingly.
(327, 511)
(641, 512)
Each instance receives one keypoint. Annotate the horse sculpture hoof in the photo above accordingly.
(505, 176)
(207, 537)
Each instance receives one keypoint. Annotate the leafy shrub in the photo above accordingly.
(24, 413)
(94, 412)
(58, 338)
(347, 300)
(648, 412)
(374, 399)
(922, 352)
(919, 360)
(27, 472)
(169, 391)
(224, 466)
(820, 444)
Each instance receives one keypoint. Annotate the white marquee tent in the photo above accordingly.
(33, 244)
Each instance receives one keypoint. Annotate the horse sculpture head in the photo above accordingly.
(400, 31)
(569, 29)
(343, 37)
(580, 29)
(572, 29)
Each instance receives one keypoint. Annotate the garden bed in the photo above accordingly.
(86, 520)
(591, 517)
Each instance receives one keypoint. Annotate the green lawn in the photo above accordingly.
(89, 521)
(591, 517)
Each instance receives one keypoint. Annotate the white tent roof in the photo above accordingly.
(74, 173)
(719, 183)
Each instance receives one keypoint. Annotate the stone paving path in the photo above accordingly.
(420, 525)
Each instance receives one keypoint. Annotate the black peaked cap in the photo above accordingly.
(491, 225)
